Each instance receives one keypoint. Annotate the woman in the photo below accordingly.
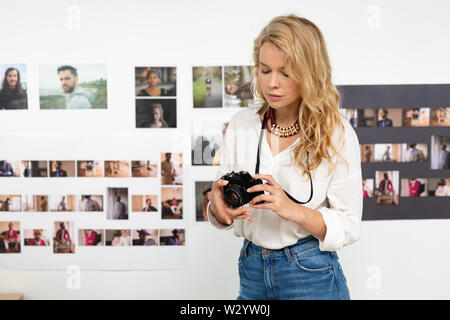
(156, 118)
(442, 190)
(12, 95)
(153, 88)
(289, 249)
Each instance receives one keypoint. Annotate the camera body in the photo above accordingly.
(235, 192)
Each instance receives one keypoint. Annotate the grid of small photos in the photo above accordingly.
(156, 92)
(62, 234)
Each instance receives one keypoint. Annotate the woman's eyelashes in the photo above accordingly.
(268, 71)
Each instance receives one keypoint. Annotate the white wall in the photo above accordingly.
(410, 44)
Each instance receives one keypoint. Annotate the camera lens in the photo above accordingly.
(232, 198)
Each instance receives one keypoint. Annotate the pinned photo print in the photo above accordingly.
(387, 152)
(156, 113)
(10, 203)
(72, 86)
(202, 194)
(62, 169)
(144, 168)
(387, 187)
(10, 237)
(391, 117)
(416, 117)
(118, 238)
(90, 168)
(207, 87)
(13, 92)
(439, 187)
(36, 237)
(360, 117)
(414, 152)
(63, 237)
(440, 117)
(34, 169)
(367, 186)
(144, 203)
(91, 237)
(63, 203)
(414, 187)
(117, 169)
(156, 81)
(172, 203)
(9, 168)
(145, 237)
(172, 237)
(90, 203)
(117, 204)
(367, 153)
(171, 168)
(35, 203)
(238, 81)
(440, 152)
(207, 142)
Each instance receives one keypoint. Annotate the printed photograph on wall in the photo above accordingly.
(9, 168)
(237, 87)
(117, 204)
(387, 187)
(391, 117)
(10, 202)
(63, 203)
(155, 81)
(207, 87)
(34, 169)
(118, 238)
(10, 237)
(91, 237)
(117, 169)
(202, 193)
(35, 203)
(387, 152)
(62, 169)
(156, 113)
(439, 117)
(145, 237)
(367, 185)
(90, 168)
(13, 91)
(172, 237)
(90, 203)
(360, 117)
(36, 237)
(414, 187)
(144, 203)
(72, 86)
(172, 203)
(414, 152)
(416, 117)
(171, 168)
(440, 152)
(439, 187)
(63, 237)
(207, 142)
(144, 168)
(367, 153)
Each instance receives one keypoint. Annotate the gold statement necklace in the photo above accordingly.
(277, 130)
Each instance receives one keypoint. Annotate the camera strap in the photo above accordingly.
(257, 163)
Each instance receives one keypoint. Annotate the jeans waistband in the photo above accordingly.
(301, 245)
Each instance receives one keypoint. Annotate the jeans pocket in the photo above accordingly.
(314, 261)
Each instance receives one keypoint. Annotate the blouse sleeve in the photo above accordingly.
(226, 166)
(345, 197)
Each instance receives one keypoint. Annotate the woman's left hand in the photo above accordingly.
(276, 200)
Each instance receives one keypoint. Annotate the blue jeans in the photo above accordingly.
(300, 271)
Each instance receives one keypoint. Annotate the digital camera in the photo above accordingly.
(235, 192)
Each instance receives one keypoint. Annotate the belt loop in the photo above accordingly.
(246, 244)
(288, 254)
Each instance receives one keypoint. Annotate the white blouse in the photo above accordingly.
(338, 196)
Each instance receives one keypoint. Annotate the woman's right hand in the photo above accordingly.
(219, 208)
